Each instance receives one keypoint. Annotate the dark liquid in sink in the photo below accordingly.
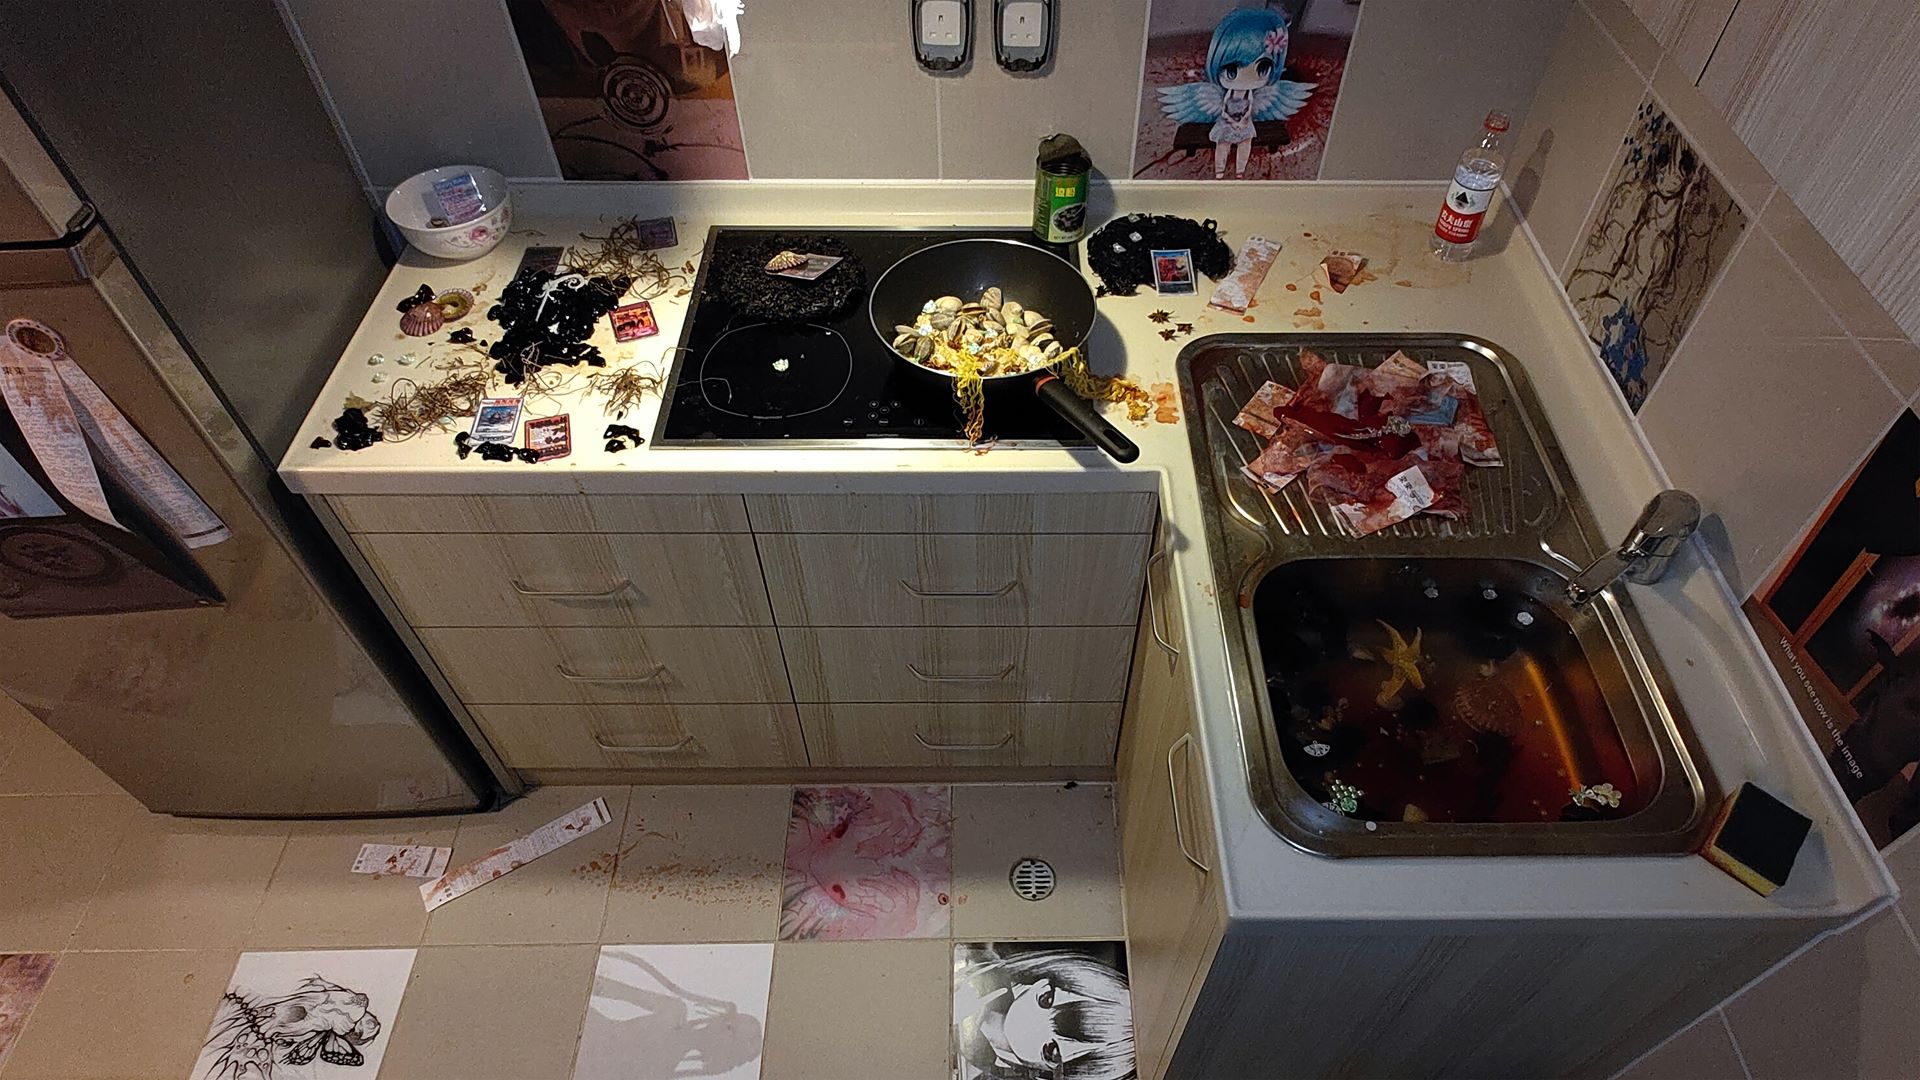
(1507, 724)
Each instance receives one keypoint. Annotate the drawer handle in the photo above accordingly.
(934, 594)
(568, 594)
(988, 677)
(641, 748)
(1153, 609)
(964, 747)
(1173, 789)
(571, 675)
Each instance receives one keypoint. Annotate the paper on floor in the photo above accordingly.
(552, 836)
(402, 860)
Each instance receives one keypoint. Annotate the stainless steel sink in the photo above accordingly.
(1526, 699)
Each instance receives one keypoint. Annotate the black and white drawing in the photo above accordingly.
(659, 1012)
(305, 1015)
(1041, 1011)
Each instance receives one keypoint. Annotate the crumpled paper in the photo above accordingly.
(715, 23)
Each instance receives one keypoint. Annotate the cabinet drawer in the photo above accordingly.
(924, 663)
(644, 736)
(1062, 512)
(894, 579)
(562, 579)
(962, 733)
(540, 513)
(583, 664)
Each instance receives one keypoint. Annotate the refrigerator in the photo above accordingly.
(166, 606)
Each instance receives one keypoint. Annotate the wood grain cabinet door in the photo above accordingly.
(644, 736)
(930, 663)
(961, 733)
(554, 665)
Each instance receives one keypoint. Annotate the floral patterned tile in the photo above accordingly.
(866, 863)
(1663, 229)
(22, 977)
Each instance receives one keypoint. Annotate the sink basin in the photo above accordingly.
(1428, 689)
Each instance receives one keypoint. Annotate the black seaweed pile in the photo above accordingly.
(538, 330)
(1121, 252)
(739, 278)
(351, 431)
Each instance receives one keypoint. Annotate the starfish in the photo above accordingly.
(1404, 660)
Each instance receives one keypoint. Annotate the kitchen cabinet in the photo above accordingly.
(537, 665)
(938, 663)
(539, 513)
(636, 736)
(963, 734)
(1006, 514)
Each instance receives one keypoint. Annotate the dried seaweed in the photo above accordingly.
(738, 277)
(1122, 251)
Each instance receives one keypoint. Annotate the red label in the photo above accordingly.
(1458, 228)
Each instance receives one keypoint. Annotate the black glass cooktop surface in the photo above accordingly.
(738, 380)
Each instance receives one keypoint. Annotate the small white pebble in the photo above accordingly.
(1524, 618)
(1135, 237)
(1372, 825)
(408, 359)
(376, 359)
(379, 377)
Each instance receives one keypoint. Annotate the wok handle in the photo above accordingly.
(1077, 411)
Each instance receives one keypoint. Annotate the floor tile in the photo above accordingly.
(509, 1012)
(56, 851)
(336, 1004)
(182, 883)
(35, 761)
(559, 897)
(1070, 828)
(664, 1011)
(316, 901)
(865, 863)
(1009, 1000)
(859, 1010)
(121, 1015)
(22, 978)
(1702, 1052)
(699, 864)
(1842, 1009)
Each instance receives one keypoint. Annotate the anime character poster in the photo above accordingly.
(1841, 620)
(1042, 1011)
(1239, 89)
(628, 93)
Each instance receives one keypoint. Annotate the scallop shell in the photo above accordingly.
(990, 297)
(786, 260)
(422, 319)
(454, 304)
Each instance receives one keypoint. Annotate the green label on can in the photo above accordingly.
(1059, 207)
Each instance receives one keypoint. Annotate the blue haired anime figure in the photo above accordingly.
(1244, 62)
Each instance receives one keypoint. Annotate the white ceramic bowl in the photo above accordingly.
(413, 206)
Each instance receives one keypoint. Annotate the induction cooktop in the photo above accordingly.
(741, 381)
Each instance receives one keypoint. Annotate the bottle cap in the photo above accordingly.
(1497, 121)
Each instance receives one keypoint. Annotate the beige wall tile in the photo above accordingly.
(1739, 171)
(1899, 361)
(315, 901)
(991, 121)
(425, 83)
(1843, 1009)
(859, 1010)
(477, 1012)
(120, 1016)
(1859, 312)
(35, 761)
(1642, 49)
(1071, 828)
(55, 855)
(560, 897)
(1704, 1051)
(1697, 33)
(1572, 134)
(1745, 419)
(700, 864)
(1421, 76)
(182, 883)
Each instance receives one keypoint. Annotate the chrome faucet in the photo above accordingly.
(1670, 517)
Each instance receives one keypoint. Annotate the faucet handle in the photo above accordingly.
(1669, 518)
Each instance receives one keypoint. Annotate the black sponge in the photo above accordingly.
(1757, 839)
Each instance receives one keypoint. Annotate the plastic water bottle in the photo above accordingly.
(1474, 181)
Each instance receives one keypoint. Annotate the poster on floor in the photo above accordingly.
(627, 91)
(1237, 89)
(1841, 620)
(660, 1012)
(308, 1015)
(866, 863)
(22, 977)
(1041, 1011)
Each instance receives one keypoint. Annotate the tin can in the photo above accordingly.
(1060, 190)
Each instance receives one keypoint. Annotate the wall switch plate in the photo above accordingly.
(1023, 33)
(942, 33)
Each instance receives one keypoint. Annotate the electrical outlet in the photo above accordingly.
(941, 22)
(1024, 25)
(942, 33)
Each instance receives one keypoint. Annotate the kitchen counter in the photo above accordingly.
(1743, 723)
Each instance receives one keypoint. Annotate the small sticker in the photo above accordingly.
(543, 259)
(550, 437)
(655, 233)
(811, 269)
(459, 199)
(1458, 370)
(402, 860)
(497, 420)
(1173, 271)
(633, 321)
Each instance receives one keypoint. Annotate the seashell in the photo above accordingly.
(974, 337)
(455, 304)
(1032, 354)
(989, 366)
(1039, 326)
(899, 329)
(903, 343)
(973, 311)
(990, 296)
(1051, 350)
(422, 319)
(1010, 312)
(922, 348)
(1041, 337)
(948, 304)
(786, 260)
(940, 320)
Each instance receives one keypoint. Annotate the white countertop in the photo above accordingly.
(1741, 717)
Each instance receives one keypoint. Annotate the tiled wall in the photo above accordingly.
(1769, 372)
(829, 88)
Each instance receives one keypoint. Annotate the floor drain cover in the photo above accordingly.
(1032, 879)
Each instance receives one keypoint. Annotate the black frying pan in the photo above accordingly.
(1038, 279)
